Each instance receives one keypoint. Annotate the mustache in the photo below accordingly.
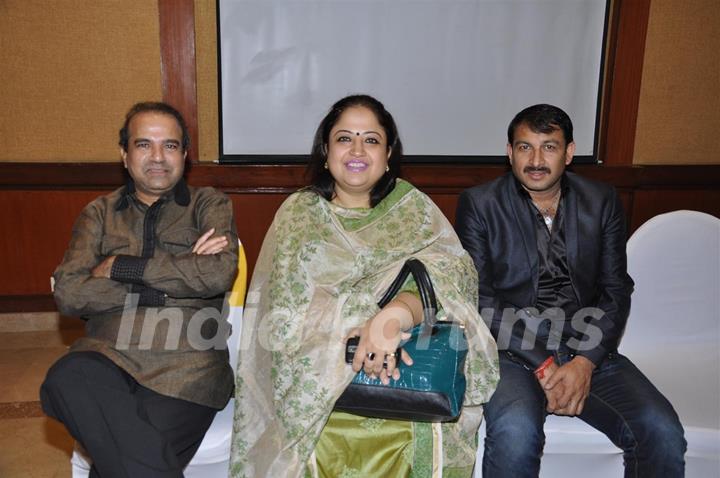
(533, 169)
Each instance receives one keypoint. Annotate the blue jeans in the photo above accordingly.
(622, 404)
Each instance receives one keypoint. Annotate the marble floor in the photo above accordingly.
(32, 445)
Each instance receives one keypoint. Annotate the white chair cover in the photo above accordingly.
(212, 460)
(673, 334)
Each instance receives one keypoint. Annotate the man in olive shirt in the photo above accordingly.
(148, 266)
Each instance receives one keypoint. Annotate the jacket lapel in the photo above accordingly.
(571, 227)
(525, 226)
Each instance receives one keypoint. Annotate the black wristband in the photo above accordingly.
(128, 269)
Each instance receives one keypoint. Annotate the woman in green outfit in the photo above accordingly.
(329, 255)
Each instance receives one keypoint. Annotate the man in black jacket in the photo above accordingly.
(549, 247)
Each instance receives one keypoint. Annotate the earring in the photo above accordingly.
(387, 168)
(326, 165)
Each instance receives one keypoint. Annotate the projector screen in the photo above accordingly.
(453, 73)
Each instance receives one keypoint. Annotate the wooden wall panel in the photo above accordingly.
(41, 202)
(621, 102)
(649, 203)
(447, 204)
(36, 229)
(177, 63)
(253, 215)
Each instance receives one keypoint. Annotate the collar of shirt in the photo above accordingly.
(180, 193)
(522, 192)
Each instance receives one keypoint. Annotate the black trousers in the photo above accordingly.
(128, 430)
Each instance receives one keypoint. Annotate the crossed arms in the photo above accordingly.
(86, 285)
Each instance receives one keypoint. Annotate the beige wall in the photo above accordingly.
(207, 81)
(70, 70)
(679, 111)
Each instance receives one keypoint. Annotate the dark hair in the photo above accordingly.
(321, 181)
(542, 119)
(154, 107)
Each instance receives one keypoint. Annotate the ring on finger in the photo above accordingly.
(371, 356)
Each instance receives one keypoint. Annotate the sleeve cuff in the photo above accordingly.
(536, 357)
(128, 269)
(595, 355)
(531, 359)
(149, 297)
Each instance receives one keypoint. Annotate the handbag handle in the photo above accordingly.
(425, 288)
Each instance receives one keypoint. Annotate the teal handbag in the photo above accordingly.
(433, 388)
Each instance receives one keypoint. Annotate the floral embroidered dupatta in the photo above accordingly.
(321, 270)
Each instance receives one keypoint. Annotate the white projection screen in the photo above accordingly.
(452, 72)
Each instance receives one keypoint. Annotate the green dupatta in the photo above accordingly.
(320, 272)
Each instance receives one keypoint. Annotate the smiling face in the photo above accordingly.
(357, 156)
(154, 158)
(538, 160)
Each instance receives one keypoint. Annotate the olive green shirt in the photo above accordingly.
(160, 316)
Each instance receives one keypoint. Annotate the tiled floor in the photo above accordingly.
(31, 445)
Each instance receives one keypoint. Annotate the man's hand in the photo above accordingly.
(553, 395)
(574, 378)
(206, 245)
(103, 269)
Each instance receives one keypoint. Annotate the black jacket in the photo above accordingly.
(497, 228)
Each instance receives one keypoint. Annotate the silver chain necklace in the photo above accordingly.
(549, 212)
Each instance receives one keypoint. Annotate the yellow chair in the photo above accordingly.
(212, 458)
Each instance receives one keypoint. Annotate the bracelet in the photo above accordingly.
(409, 309)
(407, 306)
(540, 371)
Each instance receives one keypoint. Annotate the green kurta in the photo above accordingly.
(320, 273)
